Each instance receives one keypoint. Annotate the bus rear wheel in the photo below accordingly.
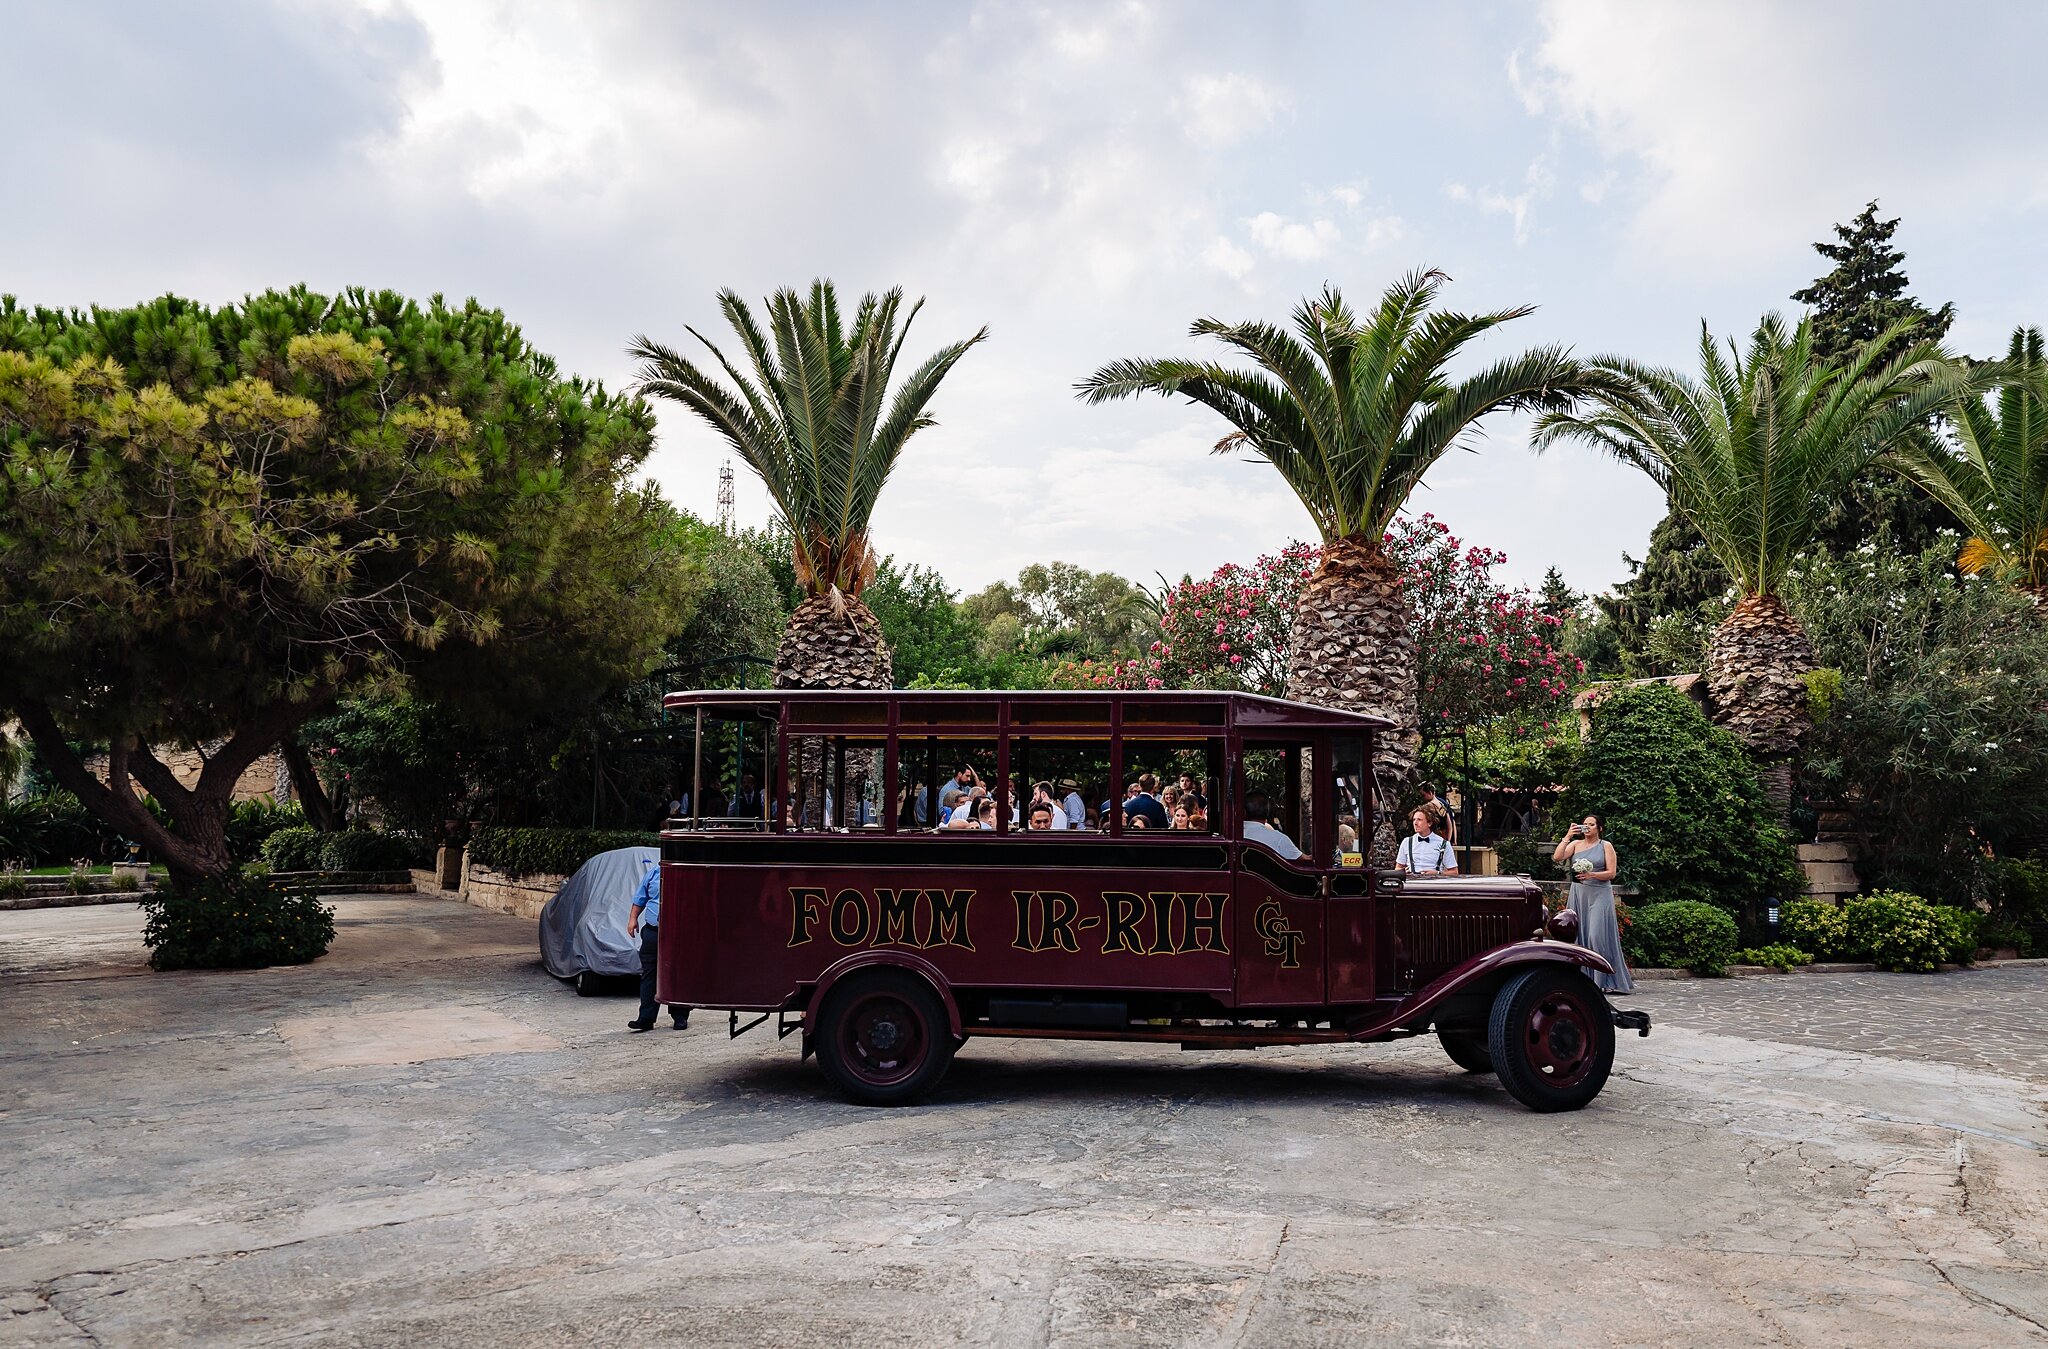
(1551, 1038)
(1467, 1048)
(883, 1037)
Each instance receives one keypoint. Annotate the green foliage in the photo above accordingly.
(1823, 692)
(1683, 935)
(80, 882)
(815, 420)
(293, 848)
(940, 642)
(251, 822)
(1684, 809)
(1905, 933)
(1058, 610)
(1938, 738)
(233, 922)
(1521, 855)
(1353, 413)
(2019, 908)
(1776, 956)
(53, 828)
(1821, 930)
(369, 850)
(126, 883)
(549, 852)
(217, 521)
(738, 617)
(13, 885)
(1678, 576)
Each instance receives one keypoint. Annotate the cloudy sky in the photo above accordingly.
(1085, 179)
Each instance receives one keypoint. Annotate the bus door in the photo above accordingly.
(1348, 914)
(1279, 903)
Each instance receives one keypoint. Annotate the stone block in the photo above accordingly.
(1826, 852)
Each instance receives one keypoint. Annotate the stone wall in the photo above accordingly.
(522, 896)
(1830, 870)
(267, 776)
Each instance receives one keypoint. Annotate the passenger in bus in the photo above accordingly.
(1041, 795)
(1258, 827)
(1191, 793)
(1198, 821)
(1135, 822)
(1426, 852)
(959, 785)
(1076, 807)
(1181, 817)
(747, 800)
(1146, 802)
(984, 813)
(1042, 815)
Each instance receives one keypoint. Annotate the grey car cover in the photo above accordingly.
(584, 926)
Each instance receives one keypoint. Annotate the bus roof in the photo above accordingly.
(1245, 710)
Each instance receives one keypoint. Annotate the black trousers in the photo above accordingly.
(650, 947)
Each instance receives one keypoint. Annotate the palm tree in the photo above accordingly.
(1998, 482)
(1753, 454)
(1352, 414)
(816, 423)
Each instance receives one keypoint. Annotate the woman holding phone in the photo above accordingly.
(1587, 854)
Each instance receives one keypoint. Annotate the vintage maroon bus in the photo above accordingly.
(835, 867)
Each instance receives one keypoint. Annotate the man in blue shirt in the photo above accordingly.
(643, 922)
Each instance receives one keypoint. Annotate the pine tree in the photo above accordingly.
(1556, 599)
(1863, 296)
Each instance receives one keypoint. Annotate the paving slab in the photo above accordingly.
(271, 1157)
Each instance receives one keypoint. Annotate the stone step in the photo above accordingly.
(1827, 852)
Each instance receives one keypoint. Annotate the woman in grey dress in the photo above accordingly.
(1590, 858)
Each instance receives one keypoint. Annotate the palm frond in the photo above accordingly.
(814, 418)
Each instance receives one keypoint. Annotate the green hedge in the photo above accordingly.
(302, 848)
(234, 922)
(550, 852)
(251, 823)
(1777, 956)
(1683, 934)
(293, 849)
(1891, 929)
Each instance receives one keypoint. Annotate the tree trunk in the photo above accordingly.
(320, 812)
(1353, 649)
(833, 645)
(1757, 662)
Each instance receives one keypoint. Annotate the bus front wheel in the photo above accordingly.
(883, 1037)
(1551, 1038)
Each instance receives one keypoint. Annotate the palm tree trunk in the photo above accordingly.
(833, 642)
(1353, 649)
(1757, 662)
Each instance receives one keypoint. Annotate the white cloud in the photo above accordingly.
(1746, 123)
(1296, 241)
(1536, 184)
(1227, 258)
(1222, 110)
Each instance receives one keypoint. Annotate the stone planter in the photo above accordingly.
(139, 870)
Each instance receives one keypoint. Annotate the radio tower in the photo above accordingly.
(725, 497)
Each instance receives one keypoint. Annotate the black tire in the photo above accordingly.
(586, 985)
(1467, 1047)
(1551, 1038)
(883, 1038)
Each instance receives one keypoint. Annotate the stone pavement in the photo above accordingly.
(1994, 1018)
(423, 1139)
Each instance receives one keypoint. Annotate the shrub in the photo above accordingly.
(1959, 929)
(1520, 855)
(13, 885)
(126, 882)
(250, 823)
(1900, 932)
(552, 852)
(368, 850)
(56, 827)
(1820, 930)
(1683, 934)
(80, 882)
(234, 922)
(1776, 956)
(296, 848)
(2019, 908)
(1684, 808)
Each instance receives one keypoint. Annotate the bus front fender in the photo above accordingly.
(865, 960)
(1483, 972)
